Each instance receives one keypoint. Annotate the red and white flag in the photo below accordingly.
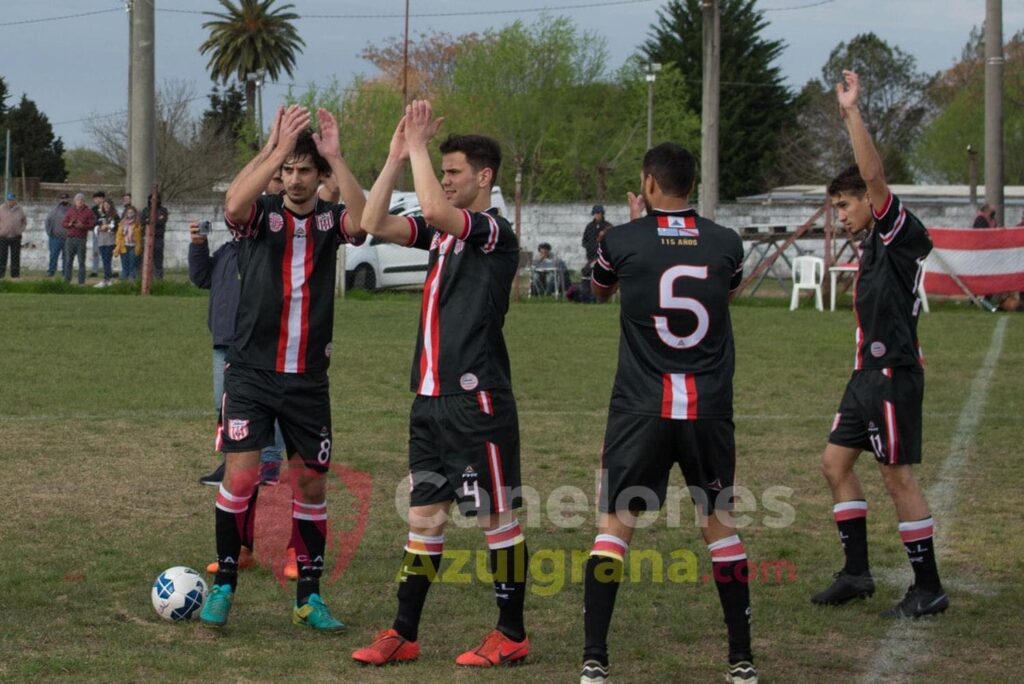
(987, 260)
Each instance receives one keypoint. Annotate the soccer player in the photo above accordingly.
(463, 426)
(672, 398)
(277, 364)
(880, 411)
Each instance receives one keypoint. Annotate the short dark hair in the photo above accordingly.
(545, 246)
(99, 193)
(306, 147)
(482, 152)
(673, 167)
(849, 180)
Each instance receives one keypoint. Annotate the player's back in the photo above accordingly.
(675, 272)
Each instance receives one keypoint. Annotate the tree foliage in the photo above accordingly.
(191, 158)
(893, 104)
(34, 148)
(432, 60)
(959, 95)
(249, 36)
(225, 114)
(755, 105)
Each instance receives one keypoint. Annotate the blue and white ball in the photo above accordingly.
(178, 593)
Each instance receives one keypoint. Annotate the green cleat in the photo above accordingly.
(217, 605)
(316, 615)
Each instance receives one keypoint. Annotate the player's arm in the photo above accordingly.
(376, 219)
(245, 189)
(420, 127)
(864, 152)
(329, 190)
(262, 155)
(603, 278)
(328, 145)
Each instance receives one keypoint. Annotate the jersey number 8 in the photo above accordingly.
(668, 300)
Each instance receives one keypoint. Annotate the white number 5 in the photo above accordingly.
(667, 300)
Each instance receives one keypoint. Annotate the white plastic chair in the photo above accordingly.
(808, 274)
(921, 294)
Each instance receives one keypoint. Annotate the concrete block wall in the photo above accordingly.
(559, 224)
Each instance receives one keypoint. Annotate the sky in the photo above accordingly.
(76, 67)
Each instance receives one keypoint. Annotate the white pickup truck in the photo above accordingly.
(377, 265)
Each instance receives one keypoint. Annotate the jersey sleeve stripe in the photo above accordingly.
(469, 225)
(413, 231)
(885, 208)
(597, 281)
(891, 235)
(492, 239)
(242, 230)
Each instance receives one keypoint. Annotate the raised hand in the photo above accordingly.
(327, 140)
(399, 149)
(848, 96)
(294, 121)
(420, 124)
(275, 132)
(636, 205)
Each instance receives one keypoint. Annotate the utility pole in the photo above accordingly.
(652, 75)
(972, 175)
(7, 164)
(994, 107)
(128, 150)
(257, 78)
(405, 58)
(142, 106)
(709, 110)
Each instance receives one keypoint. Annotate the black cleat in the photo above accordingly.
(594, 673)
(918, 603)
(845, 587)
(215, 478)
(742, 672)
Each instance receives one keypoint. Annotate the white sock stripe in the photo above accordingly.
(296, 502)
(425, 539)
(504, 544)
(224, 508)
(916, 525)
(722, 543)
(730, 559)
(850, 506)
(503, 528)
(231, 497)
(307, 516)
(611, 538)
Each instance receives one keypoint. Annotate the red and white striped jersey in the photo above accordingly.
(885, 300)
(460, 346)
(675, 271)
(287, 266)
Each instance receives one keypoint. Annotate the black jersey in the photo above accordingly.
(460, 346)
(287, 265)
(885, 298)
(675, 272)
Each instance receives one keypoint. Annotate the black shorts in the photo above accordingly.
(881, 412)
(639, 452)
(300, 402)
(465, 447)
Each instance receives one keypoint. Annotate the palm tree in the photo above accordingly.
(249, 37)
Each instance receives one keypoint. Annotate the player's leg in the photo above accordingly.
(636, 461)
(304, 414)
(431, 496)
(848, 437)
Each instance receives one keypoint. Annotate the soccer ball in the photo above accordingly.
(178, 593)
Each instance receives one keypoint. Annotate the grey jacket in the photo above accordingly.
(55, 219)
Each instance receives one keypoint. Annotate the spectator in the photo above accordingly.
(550, 276)
(128, 242)
(126, 201)
(158, 237)
(56, 234)
(106, 237)
(591, 235)
(97, 200)
(12, 227)
(78, 221)
(985, 218)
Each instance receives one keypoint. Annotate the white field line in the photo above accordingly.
(905, 642)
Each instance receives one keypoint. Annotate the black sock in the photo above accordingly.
(309, 536)
(229, 520)
(732, 579)
(508, 566)
(851, 519)
(418, 572)
(919, 542)
(601, 581)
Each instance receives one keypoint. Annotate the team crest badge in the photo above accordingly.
(459, 246)
(468, 382)
(324, 222)
(677, 226)
(276, 222)
(878, 349)
(238, 429)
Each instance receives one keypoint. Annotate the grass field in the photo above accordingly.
(106, 422)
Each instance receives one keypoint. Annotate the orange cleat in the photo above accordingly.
(291, 566)
(245, 561)
(388, 648)
(497, 649)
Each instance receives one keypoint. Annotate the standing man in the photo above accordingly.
(463, 426)
(126, 201)
(985, 218)
(78, 221)
(12, 227)
(158, 235)
(880, 411)
(672, 399)
(278, 360)
(56, 234)
(591, 235)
